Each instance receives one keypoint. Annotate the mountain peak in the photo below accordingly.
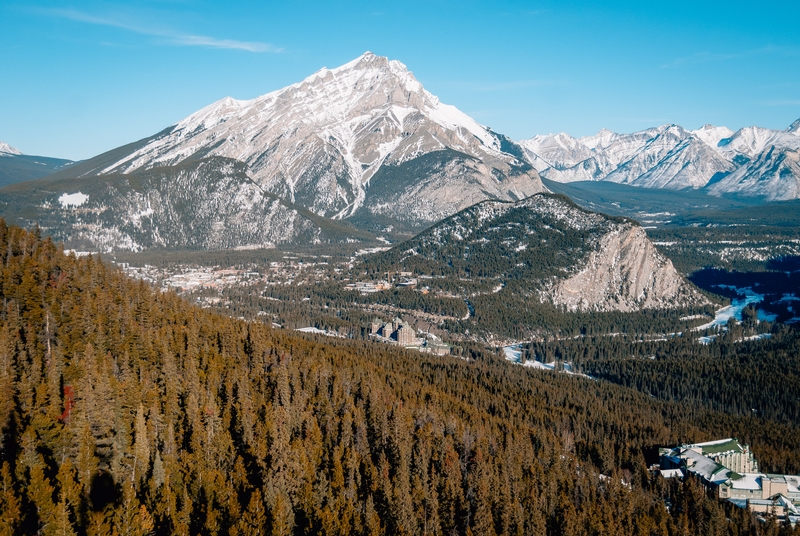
(6, 149)
(599, 140)
(794, 128)
(712, 135)
(365, 59)
(363, 138)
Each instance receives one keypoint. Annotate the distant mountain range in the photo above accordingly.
(752, 162)
(17, 167)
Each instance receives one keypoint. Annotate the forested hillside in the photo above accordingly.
(127, 411)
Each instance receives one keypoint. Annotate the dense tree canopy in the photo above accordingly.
(128, 411)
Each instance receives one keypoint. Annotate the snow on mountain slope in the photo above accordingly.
(712, 135)
(752, 141)
(601, 140)
(318, 143)
(206, 204)
(773, 175)
(752, 162)
(672, 159)
(560, 151)
(662, 157)
(6, 149)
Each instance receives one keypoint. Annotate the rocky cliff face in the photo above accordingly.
(624, 273)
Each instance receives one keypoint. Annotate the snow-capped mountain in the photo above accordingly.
(753, 141)
(6, 149)
(364, 139)
(773, 172)
(753, 161)
(662, 157)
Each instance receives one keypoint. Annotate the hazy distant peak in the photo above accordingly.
(600, 140)
(6, 149)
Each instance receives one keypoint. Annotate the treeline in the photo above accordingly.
(128, 411)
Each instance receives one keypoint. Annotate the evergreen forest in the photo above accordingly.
(125, 410)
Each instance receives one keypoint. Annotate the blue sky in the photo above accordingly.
(79, 78)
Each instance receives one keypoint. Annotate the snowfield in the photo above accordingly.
(73, 200)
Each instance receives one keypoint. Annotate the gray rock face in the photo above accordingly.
(323, 144)
(625, 273)
(209, 204)
(753, 161)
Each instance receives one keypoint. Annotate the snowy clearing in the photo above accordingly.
(72, 200)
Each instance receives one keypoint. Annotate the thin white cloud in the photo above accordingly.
(712, 57)
(211, 42)
(169, 36)
(785, 102)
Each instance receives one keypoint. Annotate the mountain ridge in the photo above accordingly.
(362, 143)
(713, 159)
(15, 166)
(210, 203)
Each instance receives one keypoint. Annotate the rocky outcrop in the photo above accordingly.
(624, 273)
(547, 249)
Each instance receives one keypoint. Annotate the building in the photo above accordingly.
(757, 486)
(778, 506)
(437, 348)
(406, 336)
(402, 334)
(711, 459)
(376, 326)
(730, 468)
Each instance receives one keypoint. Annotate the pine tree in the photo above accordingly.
(9, 503)
(254, 519)
(141, 447)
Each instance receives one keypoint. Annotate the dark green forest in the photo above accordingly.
(129, 411)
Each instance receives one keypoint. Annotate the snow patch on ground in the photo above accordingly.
(72, 200)
(514, 354)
